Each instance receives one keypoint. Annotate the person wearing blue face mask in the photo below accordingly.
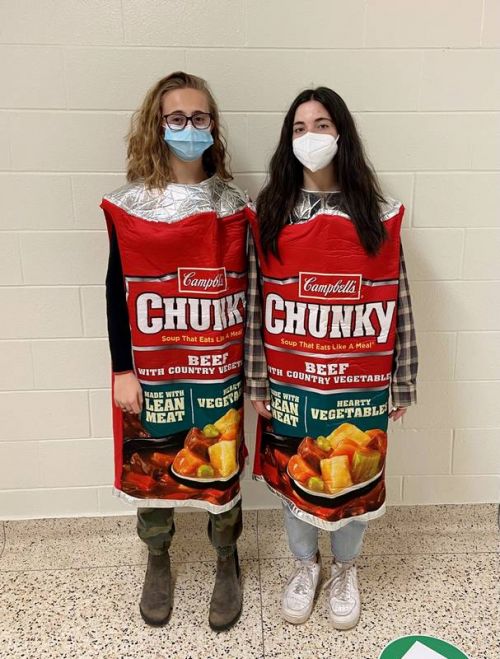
(188, 142)
(175, 290)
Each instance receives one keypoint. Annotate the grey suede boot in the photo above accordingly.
(156, 600)
(225, 605)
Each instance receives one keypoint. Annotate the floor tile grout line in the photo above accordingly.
(243, 560)
(260, 589)
(4, 539)
(423, 553)
(110, 567)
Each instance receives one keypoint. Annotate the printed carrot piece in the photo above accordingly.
(140, 481)
(346, 447)
(299, 469)
(186, 462)
(230, 433)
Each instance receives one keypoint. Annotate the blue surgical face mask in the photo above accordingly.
(189, 143)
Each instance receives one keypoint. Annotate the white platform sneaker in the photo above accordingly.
(298, 596)
(344, 603)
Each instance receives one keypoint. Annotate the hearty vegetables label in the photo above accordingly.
(300, 412)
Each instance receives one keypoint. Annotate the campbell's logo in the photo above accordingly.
(202, 280)
(321, 286)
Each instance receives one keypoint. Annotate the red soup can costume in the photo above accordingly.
(183, 253)
(329, 326)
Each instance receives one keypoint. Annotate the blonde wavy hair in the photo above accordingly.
(147, 153)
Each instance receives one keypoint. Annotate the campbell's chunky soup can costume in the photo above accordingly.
(183, 254)
(329, 327)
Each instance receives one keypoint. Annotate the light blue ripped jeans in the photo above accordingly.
(303, 538)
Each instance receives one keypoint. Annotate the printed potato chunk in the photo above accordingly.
(335, 472)
(223, 457)
(231, 418)
(348, 431)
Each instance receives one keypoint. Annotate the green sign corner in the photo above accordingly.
(421, 647)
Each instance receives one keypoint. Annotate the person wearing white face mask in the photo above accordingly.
(330, 341)
(315, 150)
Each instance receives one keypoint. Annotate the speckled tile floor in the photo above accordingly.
(69, 588)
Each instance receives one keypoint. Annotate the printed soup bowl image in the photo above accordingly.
(210, 454)
(154, 467)
(345, 460)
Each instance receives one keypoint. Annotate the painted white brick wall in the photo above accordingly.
(421, 77)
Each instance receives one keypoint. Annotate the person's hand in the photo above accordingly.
(128, 393)
(397, 413)
(260, 406)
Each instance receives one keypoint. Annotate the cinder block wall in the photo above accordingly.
(421, 77)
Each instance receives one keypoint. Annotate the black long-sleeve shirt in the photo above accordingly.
(120, 341)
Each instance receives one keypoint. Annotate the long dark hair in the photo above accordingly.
(361, 194)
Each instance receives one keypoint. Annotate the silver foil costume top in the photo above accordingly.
(177, 201)
(312, 203)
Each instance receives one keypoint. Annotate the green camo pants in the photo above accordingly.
(155, 527)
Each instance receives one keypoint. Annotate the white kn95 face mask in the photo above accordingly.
(315, 150)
